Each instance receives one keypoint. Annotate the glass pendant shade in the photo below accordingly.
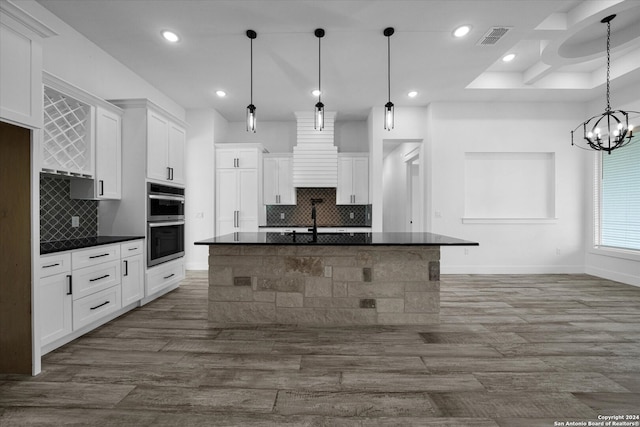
(318, 122)
(388, 115)
(251, 118)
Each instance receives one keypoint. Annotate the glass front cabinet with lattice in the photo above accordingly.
(82, 139)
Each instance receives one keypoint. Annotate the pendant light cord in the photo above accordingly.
(608, 64)
(251, 67)
(389, 66)
(319, 70)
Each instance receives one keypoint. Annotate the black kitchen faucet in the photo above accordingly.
(314, 214)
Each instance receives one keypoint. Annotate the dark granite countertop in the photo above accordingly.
(86, 242)
(338, 239)
(320, 227)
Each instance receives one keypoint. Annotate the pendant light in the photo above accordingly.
(611, 129)
(388, 107)
(318, 115)
(251, 109)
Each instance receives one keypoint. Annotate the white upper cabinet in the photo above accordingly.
(353, 180)
(165, 149)
(108, 154)
(157, 136)
(177, 143)
(278, 181)
(107, 184)
(21, 38)
(237, 158)
(158, 147)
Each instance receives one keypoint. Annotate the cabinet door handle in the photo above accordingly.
(99, 278)
(126, 267)
(171, 174)
(238, 159)
(101, 184)
(168, 173)
(169, 276)
(100, 305)
(98, 256)
(51, 265)
(70, 291)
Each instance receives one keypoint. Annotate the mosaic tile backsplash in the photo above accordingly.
(57, 208)
(328, 213)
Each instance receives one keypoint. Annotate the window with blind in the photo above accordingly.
(620, 198)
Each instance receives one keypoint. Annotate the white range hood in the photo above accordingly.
(315, 158)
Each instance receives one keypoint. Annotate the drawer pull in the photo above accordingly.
(99, 278)
(99, 305)
(70, 292)
(169, 276)
(51, 265)
(133, 249)
(98, 256)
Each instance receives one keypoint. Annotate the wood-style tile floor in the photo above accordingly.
(510, 351)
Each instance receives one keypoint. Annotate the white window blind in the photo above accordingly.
(620, 198)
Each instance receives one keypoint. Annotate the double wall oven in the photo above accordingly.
(165, 223)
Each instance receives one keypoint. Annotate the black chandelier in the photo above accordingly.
(611, 129)
(319, 108)
(251, 109)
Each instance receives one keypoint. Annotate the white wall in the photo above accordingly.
(511, 246)
(74, 58)
(206, 126)
(280, 137)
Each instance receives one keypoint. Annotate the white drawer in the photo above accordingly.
(89, 309)
(131, 248)
(87, 281)
(95, 255)
(55, 264)
(164, 275)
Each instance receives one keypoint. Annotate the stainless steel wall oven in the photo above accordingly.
(165, 223)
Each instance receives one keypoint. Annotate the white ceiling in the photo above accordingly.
(560, 46)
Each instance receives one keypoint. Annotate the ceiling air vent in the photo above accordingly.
(492, 36)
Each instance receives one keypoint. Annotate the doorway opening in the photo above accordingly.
(403, 189)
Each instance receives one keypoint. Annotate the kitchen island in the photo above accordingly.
(326, 279)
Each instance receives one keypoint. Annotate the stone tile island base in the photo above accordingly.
(324, 285)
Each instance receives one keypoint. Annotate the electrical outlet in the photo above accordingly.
(466, 251)
(199, 215)
(75, 221)
(351, 215)
(281, 215)
(558, 251)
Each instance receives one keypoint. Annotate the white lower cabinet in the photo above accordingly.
(79, 289)
(164, 276)
(93, 307)
(132, 269)
(89, 280)
(55, 297)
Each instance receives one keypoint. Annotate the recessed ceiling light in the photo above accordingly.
(509, 57)
(170, 36)
(412, 94)
(315, 92)
(221, 93)
(462, 31)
